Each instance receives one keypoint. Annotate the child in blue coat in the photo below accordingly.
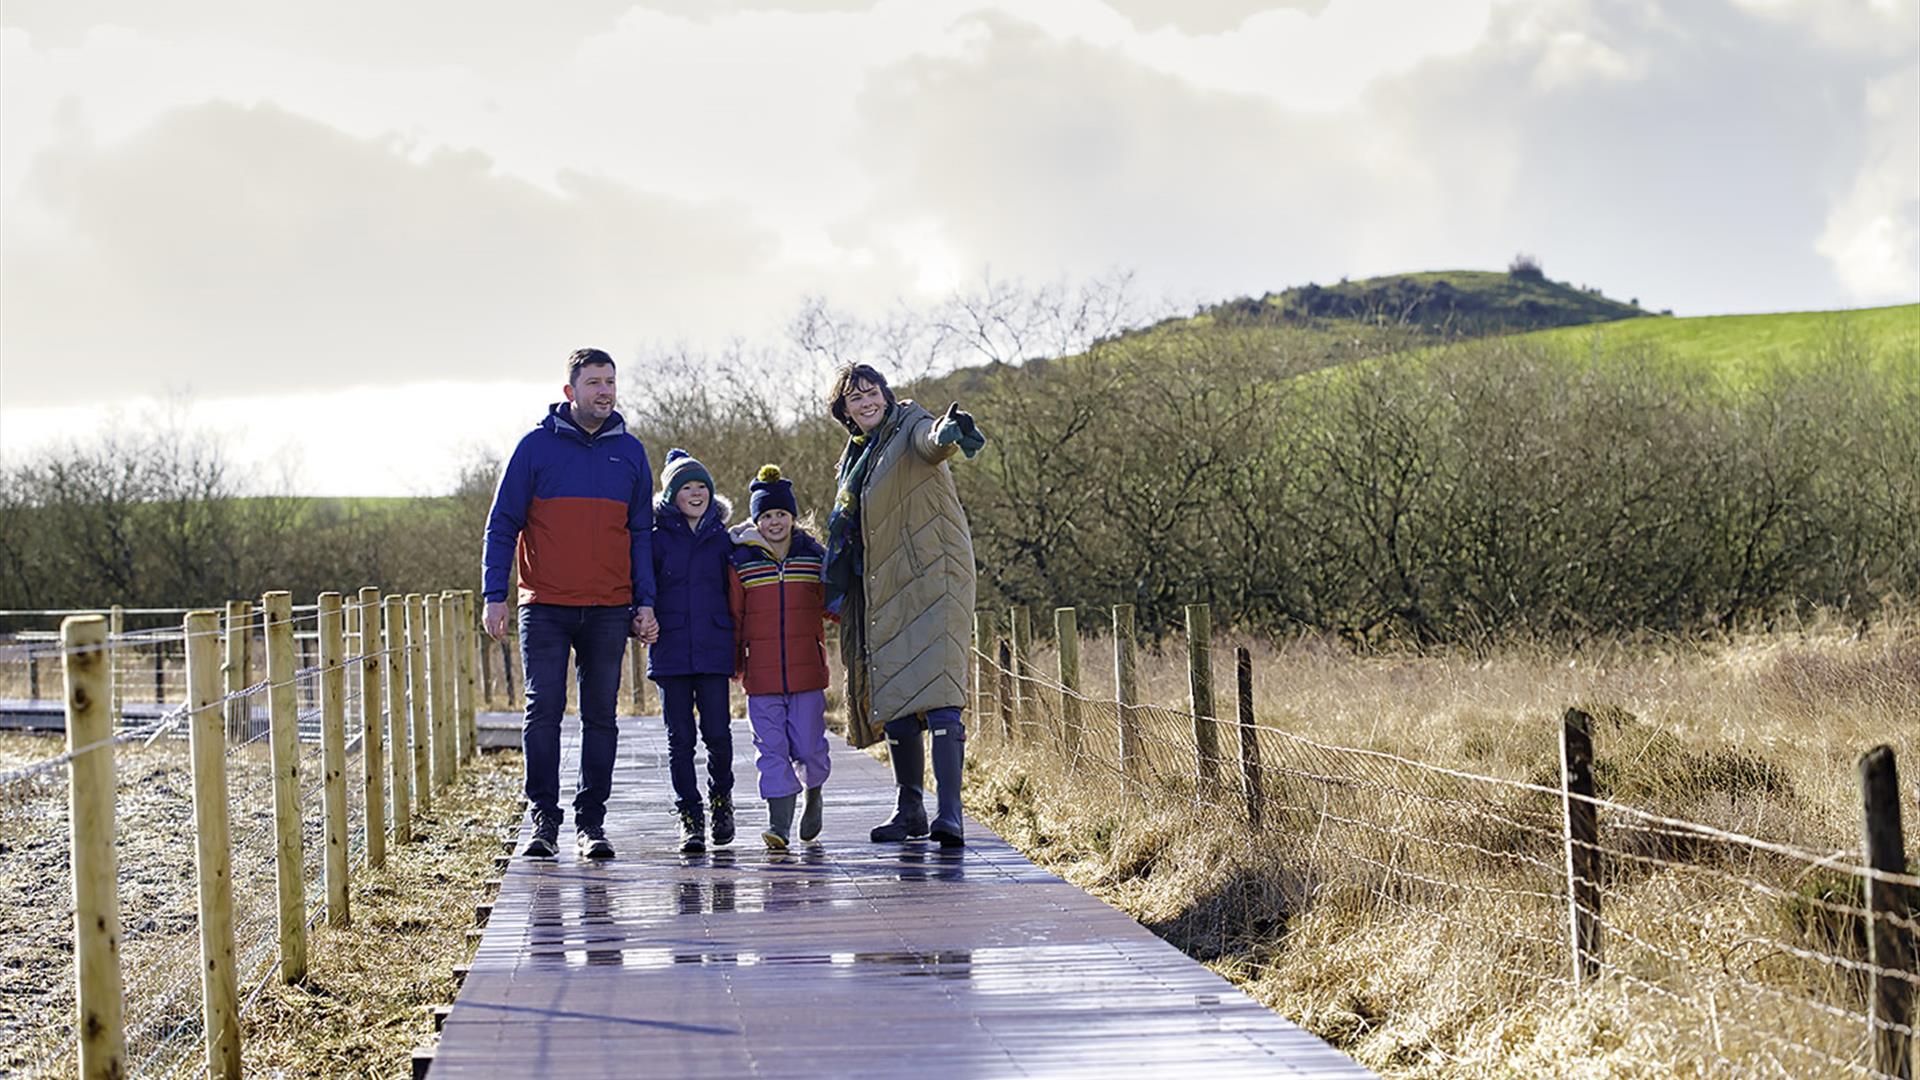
(693, 658)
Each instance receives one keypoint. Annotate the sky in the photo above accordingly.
(291, 223)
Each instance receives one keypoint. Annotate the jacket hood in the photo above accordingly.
(747, 534)
(721, 505)
(559, 420)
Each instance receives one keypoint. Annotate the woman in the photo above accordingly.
(900, 577)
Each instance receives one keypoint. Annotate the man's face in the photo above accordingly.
(866, 403)
(775, 525)
(592, 393)
(692, 499)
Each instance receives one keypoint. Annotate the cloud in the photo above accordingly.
(239, 249)
(1872, 235)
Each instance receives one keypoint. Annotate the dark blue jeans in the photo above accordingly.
(597, 638)
(680, 695)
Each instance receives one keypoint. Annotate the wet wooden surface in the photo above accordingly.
(839, 959)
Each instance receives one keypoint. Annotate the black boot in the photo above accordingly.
(721, 806)
(779, 822)
(949, 763)
(810, 814)
(693, 830)
(909, 820)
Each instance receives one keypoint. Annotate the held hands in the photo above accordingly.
(958, 427)
(645, 626)
(495, 619)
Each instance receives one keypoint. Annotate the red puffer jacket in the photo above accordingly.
(778, 608)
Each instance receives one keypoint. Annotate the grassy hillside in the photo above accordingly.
(1744, 350)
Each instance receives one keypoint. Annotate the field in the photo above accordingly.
(1745, 351)
(1416, 917)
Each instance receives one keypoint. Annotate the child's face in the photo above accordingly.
(775, 526)
(692, 499)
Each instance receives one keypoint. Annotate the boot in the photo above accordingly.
(779, 821)
(721, 806)
(810, 815)
(949, 763)
(909, 820)
(693, 830)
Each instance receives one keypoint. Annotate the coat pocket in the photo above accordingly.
(913, 553)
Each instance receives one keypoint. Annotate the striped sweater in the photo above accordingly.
(778, 608)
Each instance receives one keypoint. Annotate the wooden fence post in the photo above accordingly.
(1890, 944)
(1006, 691)
(333, 757)
(1206, 737)
(1583, 844)
(233, 670)
(1126, 688)
(417, 700)
(1250, 785)
(440, 677)
(96, 890)
(399, 745)
(33, 675)
(116, 626)
(983, 653)
(213, 854)
(464, 636)
(159, 673)
(636, 677)
(1023, 691)
(372, 752)
(506, 676)
(283, 716)
(1066, 632)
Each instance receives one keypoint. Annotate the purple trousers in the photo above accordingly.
(789, 729)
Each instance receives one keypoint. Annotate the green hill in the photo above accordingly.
(1440, 303)
(1743, 350)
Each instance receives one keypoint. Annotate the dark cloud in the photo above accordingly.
(241, 250)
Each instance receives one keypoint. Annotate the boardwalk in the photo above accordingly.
(847, 960)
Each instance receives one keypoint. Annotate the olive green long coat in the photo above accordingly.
(907, 642)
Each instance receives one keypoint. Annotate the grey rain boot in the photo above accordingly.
(810, 815)
(949, 762)
(779, 821)
(909, 820)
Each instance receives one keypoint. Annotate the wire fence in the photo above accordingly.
(392, 697)
(1766, 953)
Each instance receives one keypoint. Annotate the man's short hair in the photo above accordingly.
(585, 358)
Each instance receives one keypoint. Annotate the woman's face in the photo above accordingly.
(866, 403)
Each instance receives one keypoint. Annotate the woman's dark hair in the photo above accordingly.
(849, 378)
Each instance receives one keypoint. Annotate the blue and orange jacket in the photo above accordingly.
(778, 608)
(690, 564)
(579, 508)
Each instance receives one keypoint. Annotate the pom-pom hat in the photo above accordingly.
(681, 469)
(771, 491)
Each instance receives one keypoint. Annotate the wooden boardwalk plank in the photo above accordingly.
(842, 959)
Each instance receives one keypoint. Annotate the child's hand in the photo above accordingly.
(958, 427)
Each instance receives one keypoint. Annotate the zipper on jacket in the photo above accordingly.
(782, 600)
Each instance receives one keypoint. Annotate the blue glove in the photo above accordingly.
(958, 427)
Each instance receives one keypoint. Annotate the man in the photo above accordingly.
(576, 503)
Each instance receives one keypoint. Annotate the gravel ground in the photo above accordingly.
(158, 901)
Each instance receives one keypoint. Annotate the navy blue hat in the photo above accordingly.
(771, 491)
(680, 469)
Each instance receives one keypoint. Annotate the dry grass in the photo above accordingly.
(359, 1013)
(1426, 935)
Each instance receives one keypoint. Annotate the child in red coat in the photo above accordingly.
(778, 596)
